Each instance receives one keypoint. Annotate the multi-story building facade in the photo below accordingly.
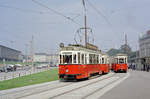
(144, 50)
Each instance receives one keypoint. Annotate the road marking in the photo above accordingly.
(100, 93)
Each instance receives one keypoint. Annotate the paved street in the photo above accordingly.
(137, 86)
(131, 85)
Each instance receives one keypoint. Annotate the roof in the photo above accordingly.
(10, 48)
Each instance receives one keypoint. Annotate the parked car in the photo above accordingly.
(18, 65)
(8, 68)
(2, 69)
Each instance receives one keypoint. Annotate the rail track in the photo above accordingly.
(36, 90)
(69, 91)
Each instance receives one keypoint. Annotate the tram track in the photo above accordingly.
(31, 93)
(84, 97)
(37, 90)
(54, 88)
(69, 91)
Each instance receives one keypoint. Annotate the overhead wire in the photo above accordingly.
(22, 10)
(99, 12)
(56, 12)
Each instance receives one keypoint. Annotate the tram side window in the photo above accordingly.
(102, 60)
(74, 58)
(116, 60)
(85, 59)
(121, 60)
(90, 58)
(97, 59)
(82, 58)
(68, 59)
(60, 60)
(93, 59)
(78, 58)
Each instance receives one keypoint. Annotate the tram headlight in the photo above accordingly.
(67, 70)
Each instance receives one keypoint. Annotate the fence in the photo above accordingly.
(20, 73)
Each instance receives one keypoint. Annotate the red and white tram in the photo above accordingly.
(120, 63)
(104, 63)
(78, 62)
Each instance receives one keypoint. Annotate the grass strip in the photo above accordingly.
(46, 76)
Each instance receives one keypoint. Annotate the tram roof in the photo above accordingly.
(78, 47)
(121, 54)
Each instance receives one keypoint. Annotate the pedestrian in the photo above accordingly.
(134, 66)
(147, 67)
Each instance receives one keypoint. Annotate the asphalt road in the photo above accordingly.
(131, 85)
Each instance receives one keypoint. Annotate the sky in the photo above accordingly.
(20, 19)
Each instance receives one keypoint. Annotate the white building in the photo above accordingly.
(40, 57)
(46, 58)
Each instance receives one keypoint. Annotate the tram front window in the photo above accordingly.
(67, 59)
(121, 61)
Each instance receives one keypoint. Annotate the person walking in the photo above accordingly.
(147, 67)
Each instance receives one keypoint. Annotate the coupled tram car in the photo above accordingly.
(78, 62)
(120, 63)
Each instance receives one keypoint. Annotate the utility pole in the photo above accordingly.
(32, 53)
(85, 22)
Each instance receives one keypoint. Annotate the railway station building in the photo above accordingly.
(9, 54)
